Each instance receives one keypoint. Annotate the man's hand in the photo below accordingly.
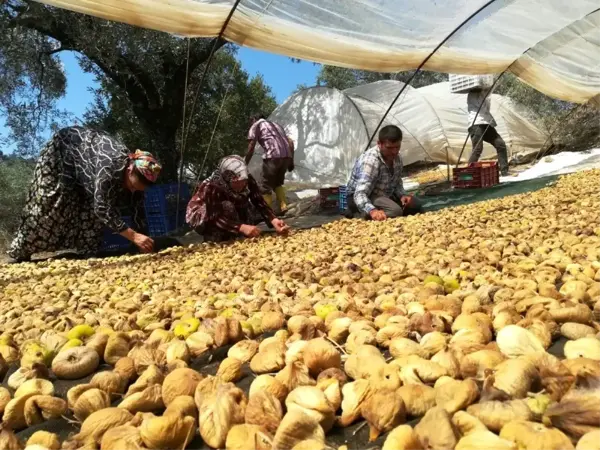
(291, 167)
(378, 215)
(280, 226)
(405, 199)
(249, 231)
(143, 242)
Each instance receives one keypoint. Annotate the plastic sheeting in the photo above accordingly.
(328, 132)
(521, 135)
(559, 164)
(331, 128)
(551, 44)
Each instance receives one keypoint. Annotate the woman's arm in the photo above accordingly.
(252, 139)
(106, 187)
(139, 212)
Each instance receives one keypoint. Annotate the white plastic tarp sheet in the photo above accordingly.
(551, 44)
(559, 164)
(331, 128)
(328, 132)
(521, 135)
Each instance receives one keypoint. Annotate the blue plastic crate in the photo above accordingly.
(343, 202)
(161, 199)
(113, 241)
(161, 224)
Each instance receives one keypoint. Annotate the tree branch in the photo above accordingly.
(57, 50)
(157, 101)
(125, 81)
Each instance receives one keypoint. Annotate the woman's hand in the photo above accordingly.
(143, 242)
(280, 226)
(249, 231)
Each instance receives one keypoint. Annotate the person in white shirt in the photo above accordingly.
(482, 128)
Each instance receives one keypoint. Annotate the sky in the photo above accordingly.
(279, 72)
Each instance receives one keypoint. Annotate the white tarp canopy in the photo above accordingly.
(331, 128)
(552, 45)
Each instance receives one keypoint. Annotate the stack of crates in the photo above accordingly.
(476, 175)
(461, 84)
(162, 208)
(329, 198)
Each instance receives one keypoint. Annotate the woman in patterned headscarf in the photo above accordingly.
(80, 176)
(229, 204)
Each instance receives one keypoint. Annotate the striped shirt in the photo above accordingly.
(272, 139)
(371, 178)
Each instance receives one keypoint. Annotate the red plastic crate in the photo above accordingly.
(476, 175)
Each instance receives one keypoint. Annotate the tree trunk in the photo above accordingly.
(164, 146)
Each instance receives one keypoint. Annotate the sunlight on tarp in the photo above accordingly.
(552, 45)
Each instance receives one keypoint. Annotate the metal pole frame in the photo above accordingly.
(452, 33)
(186, 130)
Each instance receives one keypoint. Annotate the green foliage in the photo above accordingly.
(142, 76)
(340, 78)
(544, 110)
(31, 81)
(577, 131)
(15, 176)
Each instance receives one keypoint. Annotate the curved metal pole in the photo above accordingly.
(191, 116)
(492, 88)
(357, 110)
(463, 23)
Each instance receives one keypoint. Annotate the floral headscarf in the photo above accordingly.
(146, 164)
(231, 168)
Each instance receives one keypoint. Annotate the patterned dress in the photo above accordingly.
(77, 185)
(216, 211)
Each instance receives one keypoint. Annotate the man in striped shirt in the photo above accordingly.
(277, 159)
(375, 187)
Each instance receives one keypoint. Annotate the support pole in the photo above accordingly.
(193, 108)
(447, 164)
(452, 33)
